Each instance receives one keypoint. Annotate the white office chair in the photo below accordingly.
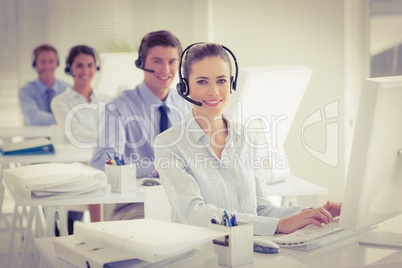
(156, 205)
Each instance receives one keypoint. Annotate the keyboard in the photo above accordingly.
(312, 236)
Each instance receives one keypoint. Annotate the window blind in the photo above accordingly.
(105, 25)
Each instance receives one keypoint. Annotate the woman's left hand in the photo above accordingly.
(333, 208)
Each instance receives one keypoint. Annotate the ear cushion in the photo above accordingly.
(67, 70)
(186, 88)
(182, 87)
(138, 63)
(232, 83)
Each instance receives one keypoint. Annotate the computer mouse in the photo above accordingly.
(151, 182)
(265, 246)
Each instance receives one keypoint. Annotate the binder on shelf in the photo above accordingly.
(56, 180)
(28, 147)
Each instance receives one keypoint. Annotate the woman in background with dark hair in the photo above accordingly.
(76, 110)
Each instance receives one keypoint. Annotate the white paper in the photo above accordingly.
(150, 239)
(56, 180)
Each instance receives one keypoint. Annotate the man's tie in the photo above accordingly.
(49, 96)
(164, 120)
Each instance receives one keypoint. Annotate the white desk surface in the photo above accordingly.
(63, 153)
(291, 187)
(342, 254)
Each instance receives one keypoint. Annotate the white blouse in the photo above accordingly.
(78, 118)
(199, 184)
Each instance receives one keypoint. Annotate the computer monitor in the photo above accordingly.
(373, 190)
(118, 73)
(265, 102)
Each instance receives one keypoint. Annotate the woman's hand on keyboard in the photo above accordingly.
(333, 208)
(315, 216)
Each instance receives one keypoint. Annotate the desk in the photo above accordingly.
(64, 153)
(342, 254)
(55, 210)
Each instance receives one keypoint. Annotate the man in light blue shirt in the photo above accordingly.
(35, 96)
(133, 119)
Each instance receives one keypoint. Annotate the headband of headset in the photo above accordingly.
(183, 87)
(139, 62)
(40, 49)
(164, 38)
(69, 60)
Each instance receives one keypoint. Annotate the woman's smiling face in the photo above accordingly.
(83, 69)
(209, 83)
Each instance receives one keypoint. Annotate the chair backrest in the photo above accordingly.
(156, 205)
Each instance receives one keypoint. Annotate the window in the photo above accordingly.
(105, 25)
(385, 38)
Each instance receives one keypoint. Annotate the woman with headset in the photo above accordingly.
(76, 110)
(208, 164)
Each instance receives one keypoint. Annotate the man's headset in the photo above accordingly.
(183, 86)
(140, 63)
(37, 51)
(86, 50)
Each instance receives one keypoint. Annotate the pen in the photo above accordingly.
(122, 159)
(234, 223)
(109, 155)
(116, 158)
(226, 214)
(216, 218)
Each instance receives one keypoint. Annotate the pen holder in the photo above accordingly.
(237, 247)
(121, 178)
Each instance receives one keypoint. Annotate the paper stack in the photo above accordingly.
(56, 181)
(139, 243)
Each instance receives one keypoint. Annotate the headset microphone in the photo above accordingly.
(180, 91)
(148, 70)
(139, 63)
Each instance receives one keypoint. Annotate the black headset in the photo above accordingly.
(34, 57)
(183, 86)
(69, 61)
(139, 62)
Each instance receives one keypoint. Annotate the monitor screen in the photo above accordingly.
(373, 187)
(265, 102)
(117, 73)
